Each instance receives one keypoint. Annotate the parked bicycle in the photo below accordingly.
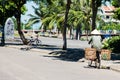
(35, 41)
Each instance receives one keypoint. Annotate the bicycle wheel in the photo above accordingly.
(38, 42)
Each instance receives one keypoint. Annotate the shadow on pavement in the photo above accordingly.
(41, 47)
(14, 44)
(71, 54)
(48, 47)
(68, 55)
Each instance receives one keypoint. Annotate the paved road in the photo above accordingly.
(59, 42)
(28, 65)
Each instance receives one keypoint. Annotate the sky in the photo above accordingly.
(25, 18)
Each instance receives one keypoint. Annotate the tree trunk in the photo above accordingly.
(18, 17)
(94, 14)
(24, 40)
(71, 32)
(78, 32)
(65, 25)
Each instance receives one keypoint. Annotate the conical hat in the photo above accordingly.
(95, 31)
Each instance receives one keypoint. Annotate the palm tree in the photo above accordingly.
(86, 8)
(65, 24)
(53, 15)
(47, 14)
(80, 14)
(74, 20)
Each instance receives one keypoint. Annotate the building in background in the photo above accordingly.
(106, 11)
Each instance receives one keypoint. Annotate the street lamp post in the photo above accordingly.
(3, 38)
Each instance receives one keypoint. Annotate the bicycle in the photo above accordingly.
(36, 41)
(32, 43)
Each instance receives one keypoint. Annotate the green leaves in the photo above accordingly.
(117, 13)
(9, 8)
(111, 26)
(112, 43)
(116, 3)
(53, 12)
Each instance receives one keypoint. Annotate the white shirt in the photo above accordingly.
(96, 42)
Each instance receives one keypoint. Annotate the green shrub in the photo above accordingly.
(113, 44)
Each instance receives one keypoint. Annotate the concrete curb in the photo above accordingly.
(115, 68)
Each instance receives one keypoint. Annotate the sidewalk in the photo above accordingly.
(114, 65)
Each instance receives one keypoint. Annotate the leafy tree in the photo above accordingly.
(50, 15)
(116, 3)
(15, 8)
(3, 11)
(79, 16)
(9, 9)
(111, 26)
(87, 11)
(46, 14)
(112, 44)
(6, 10)
(117, 14)
(19, 4)
(65, 19)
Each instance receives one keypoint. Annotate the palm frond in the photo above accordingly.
(32, 21)
(32, 16)
(51, 24)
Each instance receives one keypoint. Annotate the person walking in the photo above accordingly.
(96, 42)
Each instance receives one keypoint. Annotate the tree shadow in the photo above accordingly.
(16, 41)
(14, 44)
(71, 54)
(68, 55)
(48, 47)
(43, 47)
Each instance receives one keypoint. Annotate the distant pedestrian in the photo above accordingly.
(96, 42)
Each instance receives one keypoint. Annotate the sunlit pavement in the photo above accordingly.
(114, 65)
(16, 64)
(37, 64)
